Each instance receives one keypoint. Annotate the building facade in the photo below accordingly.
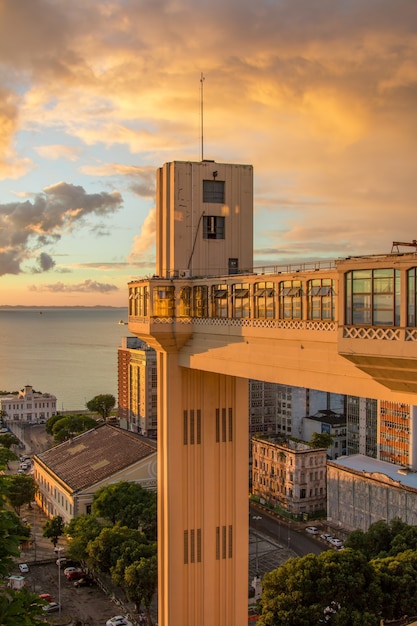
(362, 426)
(290, 475)
(334, 424)
(68, 475)
(28, 406)
(362, 491)
(137, 387)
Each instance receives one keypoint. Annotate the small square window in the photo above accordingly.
(213, 227)
(213, 191)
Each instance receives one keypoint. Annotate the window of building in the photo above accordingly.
(219, 301)
(240, 300)
(213, 227)
(200, 301)
(213, 191)
(373, 297)
(264, 300)
(412, 297)
(320, 299)
(164, 301)
(289, 295)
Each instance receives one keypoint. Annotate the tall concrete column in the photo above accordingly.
(202, 496)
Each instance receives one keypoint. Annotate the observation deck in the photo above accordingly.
(345, 326)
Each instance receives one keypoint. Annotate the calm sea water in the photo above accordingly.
(71, 353)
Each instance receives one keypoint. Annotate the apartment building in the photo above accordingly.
(334, 424)
(137, 387)
(28, 406)
(289, 475)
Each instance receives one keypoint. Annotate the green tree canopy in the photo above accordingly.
(102, 404)
(321, 440)
(21, 608)
(141, 579)
(80, 531)
(339, 588)
(128, 503)
(21, 489)
(71, 425)
(7, 440)
(53, 529)
(6, 456)
(397, 577)
(105, 550)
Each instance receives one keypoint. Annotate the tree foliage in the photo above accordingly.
(7, 440)
(102, 404)
(21, 489)
(321, 440)
(70, 425)
(118, 538)
(307, 591)
(20, 608)
(129, 504)
(53, 529)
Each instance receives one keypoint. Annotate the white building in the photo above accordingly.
(27, 405)
(362, 491)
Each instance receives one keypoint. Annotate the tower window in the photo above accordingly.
(213, 191)
(213, 227)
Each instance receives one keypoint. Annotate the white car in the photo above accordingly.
(24, 568)
(312, 530)
(326, 536)
(338, 543)
(118, 620)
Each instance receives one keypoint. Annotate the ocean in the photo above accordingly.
(68, 352)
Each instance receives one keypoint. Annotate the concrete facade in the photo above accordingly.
(361, 491)
(289, 474)
(343, 327)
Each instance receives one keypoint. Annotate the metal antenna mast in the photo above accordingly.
(201, 115)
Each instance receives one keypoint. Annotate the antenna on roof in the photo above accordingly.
(201, 115)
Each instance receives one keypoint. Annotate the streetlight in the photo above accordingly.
(58, 552)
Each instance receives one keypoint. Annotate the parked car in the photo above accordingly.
(338, 543)
(68, 570)
(24, 568)
(52, 607)
(85, 581)
(46, 597)
(118, 620)
(312, 530)
(74, 575)
(325, 536)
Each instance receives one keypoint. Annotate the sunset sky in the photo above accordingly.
(320, 96)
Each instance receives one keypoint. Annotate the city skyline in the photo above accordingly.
(318, 97)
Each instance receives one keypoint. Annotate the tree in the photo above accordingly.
(321, 440)
(338, 588)
(20, 608)
(105, 550)
(141, 579)
(102, 404)
(128, 503)
(70, 425)
(21, 490)
(6, 455)
(8, 440)
(80, 531)
(397, 577)
(53, 529)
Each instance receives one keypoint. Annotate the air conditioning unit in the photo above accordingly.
(185, 273)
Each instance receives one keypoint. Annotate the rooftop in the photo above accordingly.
(366, 464)
(95, 455)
